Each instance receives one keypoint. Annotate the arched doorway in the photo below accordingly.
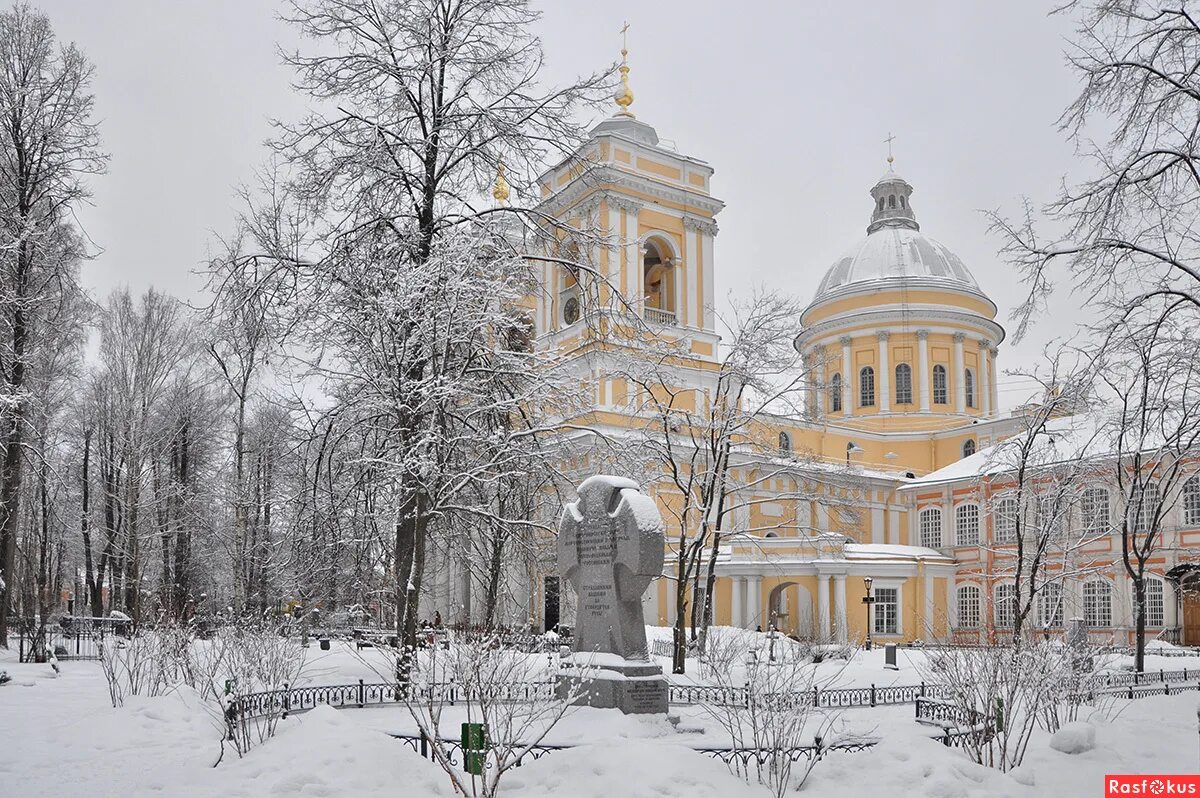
(789, 609)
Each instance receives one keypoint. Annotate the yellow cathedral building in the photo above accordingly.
(901, 346)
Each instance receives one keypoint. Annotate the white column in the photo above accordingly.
(960, 378)
(848, 378)
(951, 605)
(985, 382)
(877, 525)
(839, 605)
(822, 607)
(884, 383)
(995, 378)
(923, 375)
(754, 602)
(811, 385)
(737, 609)
(927, 633)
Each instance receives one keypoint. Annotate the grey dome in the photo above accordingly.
(893, 253)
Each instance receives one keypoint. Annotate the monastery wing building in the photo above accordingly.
(902, 345)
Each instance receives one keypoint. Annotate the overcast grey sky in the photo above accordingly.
(789, 101)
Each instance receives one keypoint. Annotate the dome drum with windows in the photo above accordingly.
(899, 327)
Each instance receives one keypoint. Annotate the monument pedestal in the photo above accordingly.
(632, 686)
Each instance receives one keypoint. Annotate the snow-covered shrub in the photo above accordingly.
(250, 658)
(512, 692)
(769, 713)
(1012, 690)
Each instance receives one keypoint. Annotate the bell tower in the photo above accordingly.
(648, 219)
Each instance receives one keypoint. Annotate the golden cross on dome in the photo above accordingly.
(624, 41)
(890, 138)
(624, 96)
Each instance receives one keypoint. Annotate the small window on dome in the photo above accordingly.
(901, 200)
(891, 200)
(881, 203)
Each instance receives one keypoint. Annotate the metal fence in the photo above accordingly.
(730, 755)
(74, 645)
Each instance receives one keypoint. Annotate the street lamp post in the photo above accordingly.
(868, 600)
(852, 448)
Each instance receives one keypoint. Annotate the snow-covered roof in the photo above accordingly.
(1065, 439)
(896, 254)
(891, 551)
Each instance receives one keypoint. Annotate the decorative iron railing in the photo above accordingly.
(870, 696)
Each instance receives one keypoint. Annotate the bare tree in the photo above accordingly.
(1152, 378)
(48, 146)
(1125, 236)
(709, 439)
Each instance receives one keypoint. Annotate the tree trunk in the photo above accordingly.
(14, 442)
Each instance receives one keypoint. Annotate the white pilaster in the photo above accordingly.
(811, 385)
(877, 525)
(884, 383)
(960, 377)
(691, 298)
(822, 607)
(839, 606)
(632, 283)
(923, 375)
(848, 378)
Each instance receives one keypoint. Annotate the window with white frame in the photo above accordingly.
(835, 393)
(969, 384)
(1004, 612)
(1191, 501)
(1049, 517)
(1050, 605)
(968, 447)
(931, 528)
(1155, 605)
(940, 394)
(1004, 518)
(887, 610)
(1097, 604)
(904, 391)
(1094, 512)
(1145, 508)
(785, 444)
(968, 607)
(866, 387)
(966, 525)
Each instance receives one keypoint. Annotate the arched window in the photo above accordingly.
(866, 387)
(1191, 501)
(785, 443)
(891, 200)
(1146, 508)
(1097, 604)
(968, 607)
(901, 200)
(658, 281)
(1004, 518)
(1004, 612)
(940, 397)
(966, 525)
(931, 528)
(969, 384)
(903, 384)
(1050, 605)
(1155, 613)
(881, 203)
(835, 393)
(968, 447)
(1093, 511)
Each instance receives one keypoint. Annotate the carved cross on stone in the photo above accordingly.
(610, 547)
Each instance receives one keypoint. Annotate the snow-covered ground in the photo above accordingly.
(60, 737)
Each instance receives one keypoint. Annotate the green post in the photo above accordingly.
(474, 745)
(999, 714)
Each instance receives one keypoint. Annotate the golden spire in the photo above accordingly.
(624, 96)
(500, 190)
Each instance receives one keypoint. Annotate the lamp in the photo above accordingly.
(868, 600)
(852, 448)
